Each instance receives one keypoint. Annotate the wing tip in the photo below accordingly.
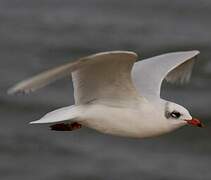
(182, 54)
(194, 52)
(18, 90)
(33, 122)
(11, 91)
(39, 122)
(14, 90)
(191, 53)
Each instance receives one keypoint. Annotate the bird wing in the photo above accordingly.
(148, 74)
(103, 75)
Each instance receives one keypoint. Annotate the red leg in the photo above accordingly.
(65, 127)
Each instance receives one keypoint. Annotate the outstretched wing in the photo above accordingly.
(108, 77)
(103, 75)
(148, 74)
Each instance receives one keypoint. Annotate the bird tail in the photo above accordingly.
(70, 113)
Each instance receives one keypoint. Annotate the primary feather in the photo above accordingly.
(149, 74)
(181, 73)
(93, 73)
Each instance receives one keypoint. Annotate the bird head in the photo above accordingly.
(178, 115)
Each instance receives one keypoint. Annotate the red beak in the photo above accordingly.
(195, 122)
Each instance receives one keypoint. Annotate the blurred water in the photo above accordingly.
(37, 35)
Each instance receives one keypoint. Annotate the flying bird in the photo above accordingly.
(116, 94)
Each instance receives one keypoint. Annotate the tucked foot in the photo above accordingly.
(65, 127)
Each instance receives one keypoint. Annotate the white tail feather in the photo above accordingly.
(63, 114)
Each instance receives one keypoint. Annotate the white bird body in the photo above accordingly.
(111, 99)
(139, 120)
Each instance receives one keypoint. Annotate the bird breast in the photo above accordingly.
(138, 122)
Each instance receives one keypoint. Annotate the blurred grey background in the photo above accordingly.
(40, 34)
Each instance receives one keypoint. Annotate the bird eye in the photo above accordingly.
(175, 114)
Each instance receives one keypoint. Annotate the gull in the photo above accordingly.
(118, 95)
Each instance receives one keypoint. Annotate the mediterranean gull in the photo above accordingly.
(116, 95)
